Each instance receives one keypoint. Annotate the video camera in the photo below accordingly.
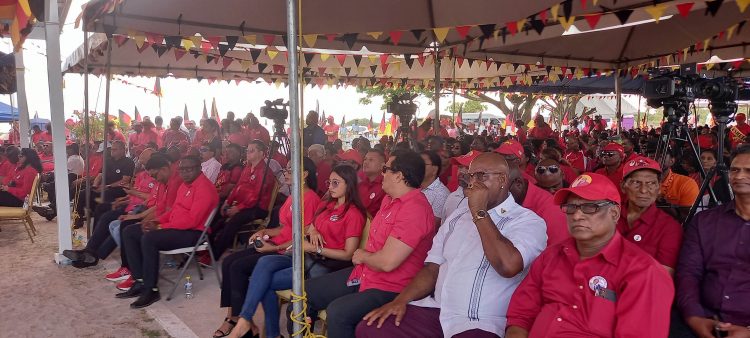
(404, 107)
(275, 110)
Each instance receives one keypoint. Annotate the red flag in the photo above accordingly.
(124, 117)
(137, 115)
(369, 125)
(381, 129)
(157, 87)
(205, 111)
(394, 123)
(185, 116)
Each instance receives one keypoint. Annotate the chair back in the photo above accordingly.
(271, 203)
(365, 234)
(210, 218)
(32, 194)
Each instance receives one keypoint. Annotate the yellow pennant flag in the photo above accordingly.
(373, 59)
(709, 66)
(742, 4)
(656, 11)
(360, 70)
(705, 44)
(685, 53)
(375, 35)
(131, 33)
(139, 40)
(277, 83)
(272, 53)
(554, 10)
(553, 77)
(520, 24)
(324, 57)
(245, 64)
(730, 31)
(187, 43)
(196, 41)
(397, 67)
(567, 23)
(251, 39)
(310, 39)
(441, 33)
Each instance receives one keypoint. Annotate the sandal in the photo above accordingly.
(219, 333)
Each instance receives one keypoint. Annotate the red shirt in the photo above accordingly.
(324, 173)
(521, 134)
(408, 219)
(172, 137)
(310, 201)
(615, 177)
(143, 183)
(540, 201)
(657, 233)
(258, 133)
(148, 136)
(14, 137)
(339, 224)
(332, 132)
(281, 159)
(164, 195)
(239, 138)
(48, 162)
(193, 204)
(23, 179)
(36, 137)
(7, 168)
(248, 189)
(95, 164)
(738, 133)
(116, 136)
(371, 193)
(568, 173)
(541, 132)
(227, 175)
(555, 300)
(577, 160)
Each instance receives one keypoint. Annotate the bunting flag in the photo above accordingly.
(137, 115)
(124, 117)
(18, 14)
(157, 88)
(205, 111)
(215, 112)
(381, 127)
(185, 116)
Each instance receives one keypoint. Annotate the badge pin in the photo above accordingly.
(334, 218)
(151, 185)
(597, 283)
(117, 171)
(252, 177)
(637, 238)
(372, 195)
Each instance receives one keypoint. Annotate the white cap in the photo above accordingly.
(101, 147)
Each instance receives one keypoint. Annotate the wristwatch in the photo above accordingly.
(319, 251)
(479, 215)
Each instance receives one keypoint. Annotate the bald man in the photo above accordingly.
(539, 201)
(483, 248)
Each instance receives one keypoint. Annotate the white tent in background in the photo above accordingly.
(605, 106)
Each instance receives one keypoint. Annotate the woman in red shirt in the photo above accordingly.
(17, 186)
(333, 238)
(238, 267)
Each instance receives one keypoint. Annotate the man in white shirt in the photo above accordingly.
(477, 260)
(432, 188)
(209, 165)
(457, 197)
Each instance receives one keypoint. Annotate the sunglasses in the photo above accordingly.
(387, 169)
(608, 153)
(586, 208)
(552, 169)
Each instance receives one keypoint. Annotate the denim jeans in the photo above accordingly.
(114, 230)
(273, 272)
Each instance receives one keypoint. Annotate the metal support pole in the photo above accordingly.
(436, 121)
(57, 116)
(618, 94)
(24, 127)
(106, 116)
(298, 272)
(87, 130)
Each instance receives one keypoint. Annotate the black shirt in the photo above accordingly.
(116, 169)
(313, 135)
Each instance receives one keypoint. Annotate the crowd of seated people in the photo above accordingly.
(540, 234)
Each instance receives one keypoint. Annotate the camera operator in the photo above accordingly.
(313, 133)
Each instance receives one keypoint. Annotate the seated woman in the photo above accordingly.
(333, 238)
(16, 187)
(549, 175)
(237, 267)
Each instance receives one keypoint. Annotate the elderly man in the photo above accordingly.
(178, 228)
(515, 155)
(539, 201)
(595, 284)
(400, 236)
(712, 273)
(456, 198)
(485, 248)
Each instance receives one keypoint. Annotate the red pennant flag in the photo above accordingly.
(512, 27)
(154, 38)
(394, 123)
(583, 4)
(460, 61)
(137, 115)
(214, 41)
(268, 38)
(737, 64)
(369, 126)
(331, 37)
(395, 36)
(341, 58)
(179, 53)
(383, 59)
(685, 8)
(279, 69)
(381, 127)
(384, 68)
(157, 87)
(225, 62)
(543, 15)
(463, 31)
(321, 70)
(593, 19)
(121, 40)
(205, 46)
(420, 59)
(143, 47)
(698, 67)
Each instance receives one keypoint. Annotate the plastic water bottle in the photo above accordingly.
(188, 288)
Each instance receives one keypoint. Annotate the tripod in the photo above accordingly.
(406, 133)
(280, 140)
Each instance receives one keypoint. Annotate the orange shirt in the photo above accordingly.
(679, 189)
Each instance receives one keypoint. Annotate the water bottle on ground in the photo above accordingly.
(188, 288)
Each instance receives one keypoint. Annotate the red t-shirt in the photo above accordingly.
(577, 160)
(339, 224)
(258, 133)
(311, 202)
(239, 138)
(371, 193)
(116, 136)
(7, 168)
(332, 132)
(541, 132)
(540, 201)
(95, 164)
(568, 173)
(657, 233)
(408, 219)
(738, 133)
(556, 299)
(615, 177)
(227, 175)
(48, 162)
(324, 173)
(23, 179)
(193, 204)
(172, 137)
(147, 136)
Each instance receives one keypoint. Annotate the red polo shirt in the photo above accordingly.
(164, 195)
(23, 179)
(48, 162)
(324, 173)
(555, 299)
(248, 190)
(147, 136)
(577, 160)
(228, 175)
(615, 176)
(408, 219)
(339, 224)
(143, 183)
(7, 168)
(332, 132)
(193, 204)
(657, 233)
(371, 193)
(172, 137)
(541, 202)
(95, 164)
(311, 201)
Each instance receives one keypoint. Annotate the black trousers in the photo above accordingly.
(101, 243)
(124, 225)
(225, 229)
(8, 200)
(345, 305)
(143, 249)
(109, 195)
(48, 185)
(236, 270)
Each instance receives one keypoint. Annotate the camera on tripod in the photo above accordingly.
(275, 110)
(404, 107)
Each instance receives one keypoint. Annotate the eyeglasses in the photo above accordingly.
(387, 169)
(586, 208)
(608, 153)
(286, 170)
(481, 176)
(511, 158)
(204, 150)
(637, 185)
(186, 169)
(552, 169)
(333, 183)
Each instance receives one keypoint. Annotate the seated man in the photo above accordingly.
(75, 169)
(371, 181)
(595, 284)
(712, 272)
(612, 156)
(399, 238)
(456, 198)
(178, 228)
(432, 188)
(641, 222)
(492, 228)
(678, 191)
(539, 201)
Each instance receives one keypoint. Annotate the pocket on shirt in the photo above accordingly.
(601, 315)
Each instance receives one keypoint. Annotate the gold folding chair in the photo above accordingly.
(23, 213)
(258, 224)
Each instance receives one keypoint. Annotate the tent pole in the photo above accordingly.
(618, 93)
(638, 121)
(23, 107)
(87, 130)
(296, 160)
(436, 121)
(106, 115)
(57, 116)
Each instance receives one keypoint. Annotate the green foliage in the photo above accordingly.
(388, 93)
(470, 106)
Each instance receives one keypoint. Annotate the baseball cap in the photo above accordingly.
(591, 187)
(351, 155)
(615, 147)
(101, 147)
(511, 147)
(639, 163)
(465, 160)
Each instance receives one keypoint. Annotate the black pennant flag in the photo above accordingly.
(161, 50)
(373, 69)
(538, 26)
(409, 60)
(306, 70)
(357, 59)
(232, 41)
(481, 42)
(223, 49)
(350, 39)
(471, 62)
(254, 54)
(417, 33)
(487, 30)
(155, 47)
(567, 8)
(195, 54)
(504, 33)
(261, 67)
(348, 71)
(172, 41)
(308, 58)
(623, 15)
(209, 58)
(739, 26)
(712, 7)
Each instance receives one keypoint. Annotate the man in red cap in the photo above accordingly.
(611, 156)
(595, 284)
(641, 222)
(514, 155)
(351, 157)
(738, 132)
(332, 130)
(457, 197)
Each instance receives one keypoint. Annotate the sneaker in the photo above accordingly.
(126, 284)
(121, 274)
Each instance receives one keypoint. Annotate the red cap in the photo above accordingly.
(511, 147)
(639, 163)
(330, 118)
(615, 147)
(351, 155)
(591, 187)
(465, 160)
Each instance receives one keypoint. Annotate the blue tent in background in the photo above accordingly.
(6, 116)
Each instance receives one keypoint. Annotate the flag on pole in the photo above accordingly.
(124, 117)
(137, 115)
(479, 121)
(215, 112)
(343, 120)
(322, 121)
(317, 107)
(369, 126)
(381, 129)
(459, 116)
(205, 111)
(394, 123)
(185, 116)
(157, 88)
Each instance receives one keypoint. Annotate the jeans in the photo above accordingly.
(273, 272)
(101, 243)
(236, 270)
(114, 231)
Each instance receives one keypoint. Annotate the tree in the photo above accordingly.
(520, 106)
(470, 106)
(388, 93)
(560, 105)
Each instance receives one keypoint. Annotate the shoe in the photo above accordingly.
(120, 275)
(78, 224)
(86, 261)
(135, 291)
(50, 215)
(73, 255)
(146, 298)
(126, 284)
(41, 210)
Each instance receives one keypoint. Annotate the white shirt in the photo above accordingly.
(211, 169)
(452, 202)
(436, 193)
(469, 292)
(75, 164)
